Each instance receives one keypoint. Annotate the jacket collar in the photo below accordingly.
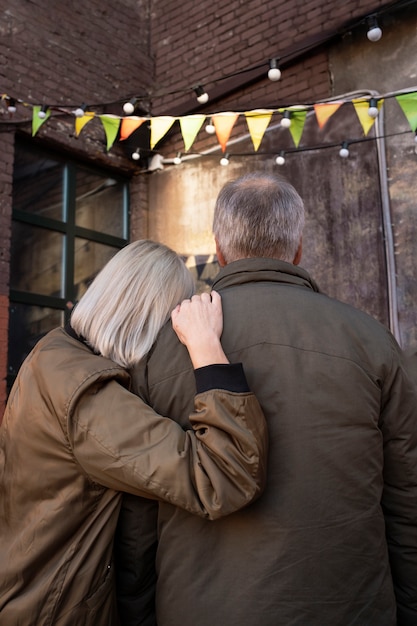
(261, 270)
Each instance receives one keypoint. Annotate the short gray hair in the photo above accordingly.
(130, 300)
(258, 215)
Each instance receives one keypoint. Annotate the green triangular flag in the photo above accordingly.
(298, 119)
(111, 125)
(38, 121)
(408, 103)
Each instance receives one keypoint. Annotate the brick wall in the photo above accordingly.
(66, 54)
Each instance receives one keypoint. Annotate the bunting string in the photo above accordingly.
(257, 120)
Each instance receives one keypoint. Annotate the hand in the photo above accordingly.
(199, 323)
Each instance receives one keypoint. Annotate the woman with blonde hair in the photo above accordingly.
(74, 437)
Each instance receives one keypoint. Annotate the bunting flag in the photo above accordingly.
(130, 124)
(190, 125)
(408, 104)
(159, 127)
(362, 108)
(223, 123)
(298, 119)
(257, 121)
(36, 120)
(325, 110)
(111, 124)
(80, 122)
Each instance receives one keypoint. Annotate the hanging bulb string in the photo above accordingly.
(284, 59)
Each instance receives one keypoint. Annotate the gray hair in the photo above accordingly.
(130, 300)
(258, 215)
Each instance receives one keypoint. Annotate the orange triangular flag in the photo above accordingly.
(159, 127)
(257, 122)
(190, 125)
(129, 124)
(80, 122)
(223, 123)
(362, 108)
(325, 110)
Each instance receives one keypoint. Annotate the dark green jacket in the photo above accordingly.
(333, 540)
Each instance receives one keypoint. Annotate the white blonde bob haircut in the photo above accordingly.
(130, 300)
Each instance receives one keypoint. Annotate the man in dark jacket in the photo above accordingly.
(333, 540)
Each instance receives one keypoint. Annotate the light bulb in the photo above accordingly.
(136, 155)
(177, 160)
(280, 159)
(373, 108)
(129, 107)
(274, 73)
(210, 128)
(344, 151)
(374, 32)
(11, 106)
(42, 112)
(202, 96)
(79, 112)
(286, 120)
(224, 160)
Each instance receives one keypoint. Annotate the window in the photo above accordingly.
(68, 221)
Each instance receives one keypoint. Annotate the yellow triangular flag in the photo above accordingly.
(38, 121)
(223, 123)
(361, 108)
(159, 127)
(325, 110)
(80, 122)
(257, 122)
(111, 124)
(190, 125)
(130, 124)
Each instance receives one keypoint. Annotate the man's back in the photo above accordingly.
(312, 550)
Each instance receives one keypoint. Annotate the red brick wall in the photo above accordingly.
(66, 54)
(206, 42)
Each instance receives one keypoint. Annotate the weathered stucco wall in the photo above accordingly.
(387, 66)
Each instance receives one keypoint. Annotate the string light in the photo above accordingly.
(11, 105)
(136, 154)
(43, 111)
(129, 107)
(286, 119)
(374, 32)
(79, 112)
(280, 159)
(373, 108)
(224, 160)
(210, 128)
(344, 150)
(202, 96)
(274, 73)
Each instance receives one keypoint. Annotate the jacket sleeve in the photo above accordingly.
(399, 501)
(211, 470)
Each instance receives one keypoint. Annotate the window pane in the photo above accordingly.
(27, 324)
(99, 203)
(90, 258)
(37, 183)
(36, 260)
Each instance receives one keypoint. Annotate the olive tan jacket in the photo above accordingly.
(333, 539)
(72, 438)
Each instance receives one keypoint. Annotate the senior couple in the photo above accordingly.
(213, 529)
